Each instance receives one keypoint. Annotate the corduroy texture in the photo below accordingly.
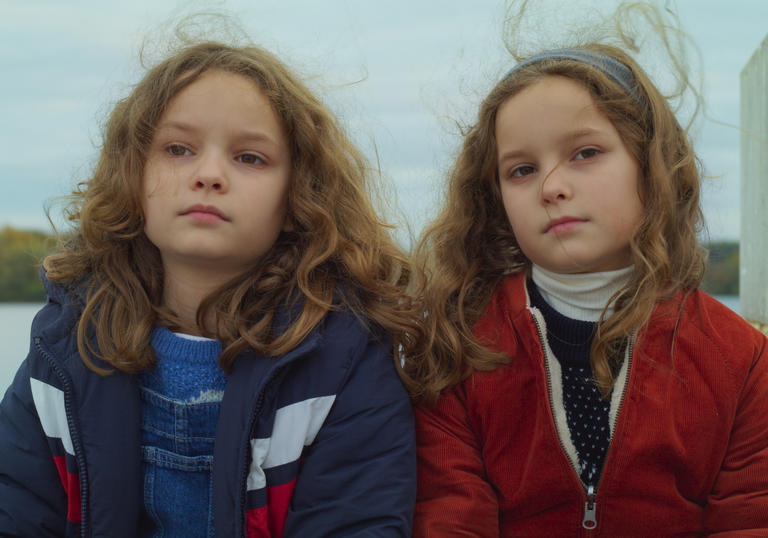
(689, 453)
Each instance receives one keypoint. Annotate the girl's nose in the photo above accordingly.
(556, 185)
(210, 174)
(211, 183)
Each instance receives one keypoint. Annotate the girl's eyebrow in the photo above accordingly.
(581, 132)
(247, 134)
(568, 137)
(181, 126)
(509, 155)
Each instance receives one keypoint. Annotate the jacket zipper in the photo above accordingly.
(549, 388)
(74, 434)
(589, 520)
(246, 463)
(590, 509)
(590, 506)
(270, 377)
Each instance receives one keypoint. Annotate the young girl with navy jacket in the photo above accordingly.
(216, 354)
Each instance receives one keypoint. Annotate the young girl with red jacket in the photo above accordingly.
(578, 383)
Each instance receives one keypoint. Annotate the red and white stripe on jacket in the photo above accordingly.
(49, 403)
(295, 427)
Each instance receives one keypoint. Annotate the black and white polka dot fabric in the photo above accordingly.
(586, 412)
(587, 416)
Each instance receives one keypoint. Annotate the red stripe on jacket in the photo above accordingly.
(71, 485)
(269, 521)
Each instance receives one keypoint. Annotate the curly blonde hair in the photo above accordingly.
(336, 252)
(470, 246)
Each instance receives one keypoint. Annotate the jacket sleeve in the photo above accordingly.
(33, 499)
(738, 502)
(358, 478)
(454, 498)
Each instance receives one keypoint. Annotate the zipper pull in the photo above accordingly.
(590, 509)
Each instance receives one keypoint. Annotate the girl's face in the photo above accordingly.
(216, 179)
(568, 183)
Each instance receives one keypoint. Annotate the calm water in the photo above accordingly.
(15, 320)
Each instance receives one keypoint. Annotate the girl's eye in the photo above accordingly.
(177, 150)
(250, 158)
(522, 171)
(586, 153)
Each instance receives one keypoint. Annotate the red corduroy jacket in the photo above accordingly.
(688, 453)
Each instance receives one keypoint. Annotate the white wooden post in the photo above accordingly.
(753, 244)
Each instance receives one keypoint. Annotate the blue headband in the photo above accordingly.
(619, 72)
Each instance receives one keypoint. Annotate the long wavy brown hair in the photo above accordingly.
(336, 252)
(470, 247)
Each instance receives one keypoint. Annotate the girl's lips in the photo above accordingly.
(204, 213)
(563, 224)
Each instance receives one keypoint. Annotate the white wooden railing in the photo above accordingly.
(753, 250)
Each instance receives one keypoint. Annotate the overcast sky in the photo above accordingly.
(397, 72)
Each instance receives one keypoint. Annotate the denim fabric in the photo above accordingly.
(177, 450)
(187, 429)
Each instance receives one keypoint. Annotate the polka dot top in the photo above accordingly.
(586, 412)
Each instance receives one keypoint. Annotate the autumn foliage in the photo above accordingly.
(21, 252)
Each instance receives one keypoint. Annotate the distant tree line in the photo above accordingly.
(22, 251)
(722, 275)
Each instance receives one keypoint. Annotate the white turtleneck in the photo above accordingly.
(580, 296)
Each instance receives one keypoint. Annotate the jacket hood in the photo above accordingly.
(56, 323)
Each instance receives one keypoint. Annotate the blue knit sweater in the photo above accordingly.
(180, 401)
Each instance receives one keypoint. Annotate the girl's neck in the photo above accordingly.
(580, 296)
(184, 290)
